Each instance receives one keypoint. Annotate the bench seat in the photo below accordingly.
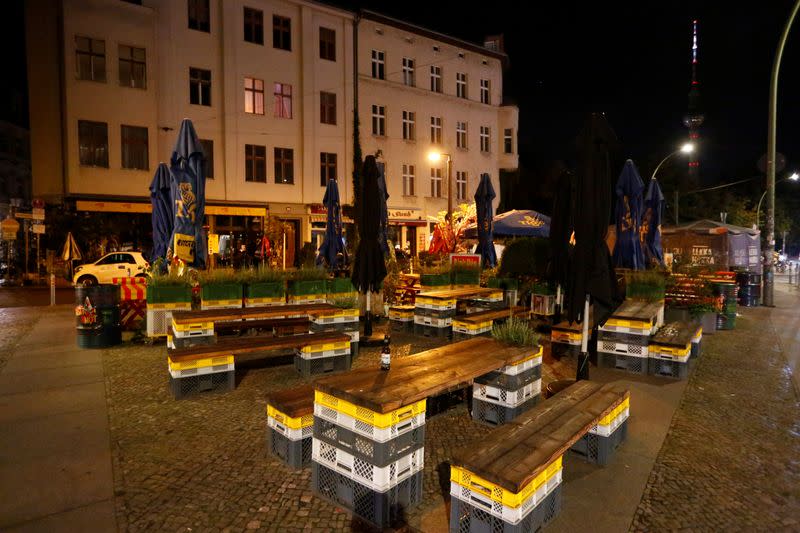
(290, 424)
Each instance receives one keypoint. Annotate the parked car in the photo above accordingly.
(110, 266)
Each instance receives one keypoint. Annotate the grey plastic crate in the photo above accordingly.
(697, 347)
(322, 365)
(353, 350)
(471, 517)
(458, 336)
(379, 509)
(398, 325)
(188, 342)
(376, 453)
(669, 369)
(635, 365)
(624, 338)
(191, 385)
(597, 449)
(337, 326)
(505, 381)
(435, 313)
(295, 453)
(493, 414)
(562, 349)
(430, 331)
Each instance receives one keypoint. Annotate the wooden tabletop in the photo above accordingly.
(637, 310)
(491, 314)
(242, 345)
(294, 402)
(678, 334)
(514, 454)
(213, 315)
(426, 374)
(458, 293)
(575, 327)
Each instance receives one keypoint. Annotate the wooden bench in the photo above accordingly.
(471, 324)
(510, 480)
(290, 424)
(278, 326)
(250, 313)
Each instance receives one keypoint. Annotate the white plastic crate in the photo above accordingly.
(604, 430)
(368, 430)
(634, 350)
(353, 335)
(290, 433)
(433, 322)
(324, 353)
(506, 397)
(159, 319)
(631, 331)
(377, 478)
(656, 354)
(471, 331)
(435, 307)
(324, 321)
(513, 370)
(192, 333)
(511, 515)
(187, 372)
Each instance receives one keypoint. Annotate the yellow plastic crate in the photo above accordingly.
(671, 350)
(606, 420)
(467, 479)
(305, 297)
(401, 314)
(215, 303)
(335, 313)
(180, 306)
(534, 355)
(698, 335)
(325, 347)
(565, 336)
(472, 325)
(435, 301)
(200, 363)
(625, 323)
(193, 326)
(290, 422)
(379, 420)
(265, 300)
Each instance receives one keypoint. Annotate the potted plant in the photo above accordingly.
(465, 274)
(648, 285)
(221, 288)
(516, 332)
(337, 287)
(166, 292)
(437, 276)
(307, 284)
(705, 312)
(264, 286)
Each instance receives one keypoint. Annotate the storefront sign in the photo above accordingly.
(38, 213)
(401, 213)
(38, 229)
(469, 259)
(134, 207)
(9, 228)
(213, 243)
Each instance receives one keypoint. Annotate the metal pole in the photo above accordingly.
(449, 190)
(52, 289)
(677, 204)
(37, 258)
(769, 282)
(27, 228)
(583, 358)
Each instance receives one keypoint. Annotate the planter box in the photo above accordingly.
(265, 289)
(311, 287)
(340, 286)
(169, 294)
(507, 284)
(709, 322)
(644, 292)
(434, 280)
(222, 291)
(466, 277)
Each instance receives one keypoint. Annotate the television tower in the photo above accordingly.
(694, 116)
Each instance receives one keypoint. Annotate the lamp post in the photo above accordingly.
(435, 157)
(685, 149)
(794, 177)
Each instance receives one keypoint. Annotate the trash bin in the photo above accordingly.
(97, 316)
(554, 387)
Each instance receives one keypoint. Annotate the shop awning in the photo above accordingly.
(137, 207)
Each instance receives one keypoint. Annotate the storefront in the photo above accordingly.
(408, 229)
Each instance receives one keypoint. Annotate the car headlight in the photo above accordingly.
(78, 268)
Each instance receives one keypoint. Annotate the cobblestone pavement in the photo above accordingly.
(15, 323)
(731, 460)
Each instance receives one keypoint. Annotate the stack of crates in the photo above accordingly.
(697, 340)
(290, 438)
(323, 358)
(463, 329)
(368, 462)
(502, 395)
(207, 374)
(749, 288)
(343, 320)
(194, 334)
(434, 316)
(494, 300)
(623, 343)
(401, 317)
(670, 350)
(599, 443)
(565, 339)
(726, 291)
(159, 316)
(478, 505)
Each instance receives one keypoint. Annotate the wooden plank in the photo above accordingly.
(294, 402)
(242, 345)
(214, 315)
(457, 293)
(678, 334)
(637, 310)
(492, 314)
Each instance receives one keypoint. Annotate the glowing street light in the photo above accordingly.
(687, 148)
(794, 176)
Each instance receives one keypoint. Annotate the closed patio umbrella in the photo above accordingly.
(162, 215)
(484, 195)
(628, 217)
(70, 252)
(383, 196)
(187, 165)
(651, 224)
(332, 244)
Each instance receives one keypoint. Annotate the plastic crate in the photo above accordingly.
(377, 508)
(188, 342)
(634, 329)
(641, 350)
(431, 331)
(624, 338)
(377, 478)
(307, 299)
(434, 303)
(669, 368)
(466, 336)
(475, 517)
(214, 382)
(322, 365)
(221, 304)
(494, 414)
(295, 453)
(506, 397)
(697, 345)
(630, 363)
(524, 364)
(543, 304)
(510, 382)
(437, 314)
(291, 433)
(599, 449)
(670, 353)
(377, 434)
(560, 349)
(609, 423)
(266, 301)
(159, 316)
(367, 415)
(188, 372)
(341, 349)
(200, 363)
(342, 327)
(377, 453)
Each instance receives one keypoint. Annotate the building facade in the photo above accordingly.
(270, 86)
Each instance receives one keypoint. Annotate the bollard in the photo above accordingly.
(52, 289)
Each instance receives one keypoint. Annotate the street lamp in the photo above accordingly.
(794, 177)
(435, 157)
(687, 148)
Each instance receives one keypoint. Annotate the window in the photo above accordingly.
(208, 151)
(327, 168)
(378, 65)
(409, 125)
(327, 105)
(408, 180)
(93, 143)
(253, 25)
(408, 72)
(484, 138)
(436, 182)
(461, 185)
(436, 79)
(116, 259)
(283, 100)
(436, 130)
(484, 91)
(379, 120)
(255, 163)
(461, 85)
(254, 96)
(327, 44)
(199, 15)
(281, 32)
(461, 135)
(284, 165)
(90, 59)
(134, 147)
(199, 86)
(508, 141)
(132, 67)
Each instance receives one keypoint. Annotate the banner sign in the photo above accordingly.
(469, 259)
(183, 246)
(185, 206)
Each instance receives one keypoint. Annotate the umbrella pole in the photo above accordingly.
(557, 310)
(368, 316)
(583, 358)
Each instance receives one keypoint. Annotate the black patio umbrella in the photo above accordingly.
(591, 272)
(369, 267)
(561, 227)
(483, 207)
(332, 245)
(188, 167)
(162, 216)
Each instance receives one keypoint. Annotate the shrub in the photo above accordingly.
(158, 279)
(309, 273)
(526, 256)
(262, 274)
(515, 331)
(346, 302)
(220, 276)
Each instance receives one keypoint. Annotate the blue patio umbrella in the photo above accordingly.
(483, 208)
(162, 216)
(628, 214)
(187, 165)
(332, 244)
(651, 224)
(383, 196)
(517, 223)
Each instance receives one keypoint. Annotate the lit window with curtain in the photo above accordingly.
(254, 96)
(283, 100)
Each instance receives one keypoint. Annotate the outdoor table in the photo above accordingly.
(671, 348)
(434, 310)
(623, 339)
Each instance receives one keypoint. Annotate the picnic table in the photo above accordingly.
(434, 310)
(250, 313)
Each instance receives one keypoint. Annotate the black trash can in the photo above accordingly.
(97, 316)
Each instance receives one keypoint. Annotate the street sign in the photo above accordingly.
(9, 228)
(24, 216)
(38, 213)
(39, 229)
(37, 203)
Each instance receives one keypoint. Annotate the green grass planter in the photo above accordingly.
(168, 294)
(467, 277)
(434, 280)
(262, 293)
(222, 295)
(507, 284)
(340, 286)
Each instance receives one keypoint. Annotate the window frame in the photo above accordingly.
(462, 179)
(436, 79)
(202, 15)
(279, 99)
(254, 22)
(328, 163)
(93, 146)
(461, 135)
(409, 174)
(378, 64)
(134, 63)
(200, 83)
(283, 165)
(486, 95)
(461, 85)
(508, 140)
(436, 130)
(409, 72)
(485, 135)
(436, 182)
(281, 32)
(409, 125)
(327, 108)
(379, 120)
(127, 141)
(327, 46)
(252, 94)
(255, 158)
(95, 59)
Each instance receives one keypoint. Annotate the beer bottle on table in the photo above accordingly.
(386, 355)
